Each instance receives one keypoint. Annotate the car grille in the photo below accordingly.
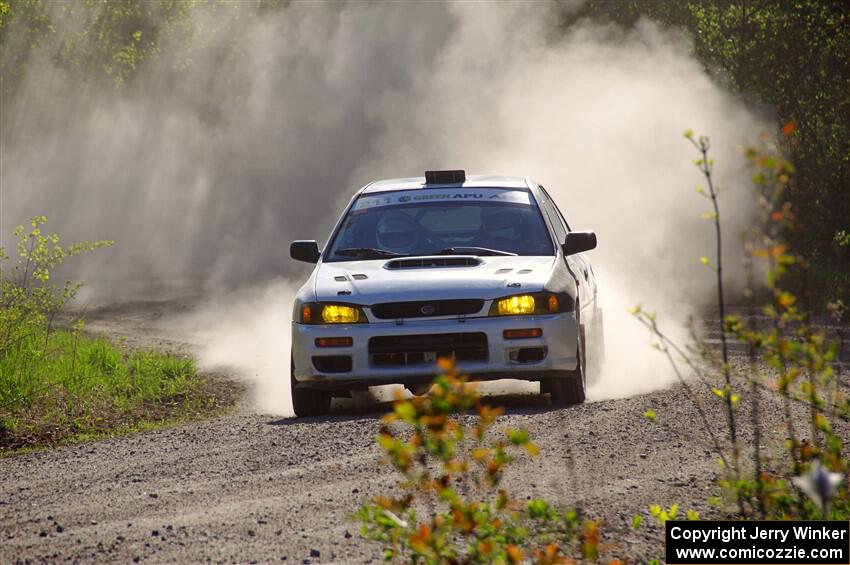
(396, 350)
(420, 309)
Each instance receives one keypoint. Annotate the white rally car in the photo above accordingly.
(482, 270)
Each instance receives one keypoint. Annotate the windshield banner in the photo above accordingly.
(478, 195)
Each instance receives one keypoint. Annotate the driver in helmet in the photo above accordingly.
(501, 228)
(399, 233)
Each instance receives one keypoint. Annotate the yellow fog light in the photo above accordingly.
(339, 314)
(523, 304)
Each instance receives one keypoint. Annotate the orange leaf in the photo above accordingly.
(789, 128)
(778, 250)
(484, 547)
(514, 554)
(419, 540)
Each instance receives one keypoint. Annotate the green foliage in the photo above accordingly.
(29, 299)
(627, 13)
(801, 354)
(809, 42)
(94, 38)
(4, 9)
(451, 507)
(74, 385)
(56, 385)
(790, 358)
(109, 42)
(663, 515)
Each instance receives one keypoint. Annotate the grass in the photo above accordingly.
(66, 386)
(59, 386)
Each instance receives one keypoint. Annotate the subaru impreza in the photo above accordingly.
(483, 271)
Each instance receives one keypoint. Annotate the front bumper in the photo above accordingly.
(500, 361)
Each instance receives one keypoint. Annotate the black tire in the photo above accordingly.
(570, 389)
(307, 402)
(567, 391)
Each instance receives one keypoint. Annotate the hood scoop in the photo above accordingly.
(430, 262)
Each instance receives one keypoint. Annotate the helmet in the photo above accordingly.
(397, 232)
(501, 222)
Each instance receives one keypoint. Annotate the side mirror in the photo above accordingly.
(306, 250)
(579, 242)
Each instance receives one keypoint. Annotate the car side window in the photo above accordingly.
(554, 217)
(557, 210)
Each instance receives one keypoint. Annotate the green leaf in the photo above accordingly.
(405, 411)
(518, 437)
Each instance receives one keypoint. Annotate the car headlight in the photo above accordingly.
(318, 313)
(513, 305)
(536, 303)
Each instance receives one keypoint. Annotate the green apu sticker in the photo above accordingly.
(416, 196)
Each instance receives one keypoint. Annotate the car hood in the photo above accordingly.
(429, 278)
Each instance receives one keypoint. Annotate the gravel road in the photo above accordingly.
(249, 487)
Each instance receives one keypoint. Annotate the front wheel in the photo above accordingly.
(307, 402)
(567, 391)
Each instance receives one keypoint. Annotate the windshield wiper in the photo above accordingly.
(368, 252)
(473, 251)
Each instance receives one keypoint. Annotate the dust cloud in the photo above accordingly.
(204, 175)
(246, 333)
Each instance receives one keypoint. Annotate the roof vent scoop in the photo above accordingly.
(445, 177)
(429, 262)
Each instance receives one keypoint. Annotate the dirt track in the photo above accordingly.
(250, 487)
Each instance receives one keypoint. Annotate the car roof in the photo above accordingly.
(472, 181)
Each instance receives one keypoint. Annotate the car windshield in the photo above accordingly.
(488, 221)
